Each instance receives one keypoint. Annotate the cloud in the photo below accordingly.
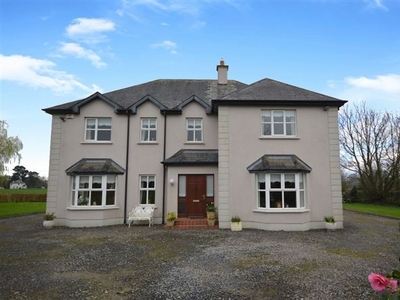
(384, 83)
(372, 4)
(79, 52)
(381, 92)
(168, 45)
(38, 73)
(89, 30)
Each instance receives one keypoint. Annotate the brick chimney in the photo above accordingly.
(222, 70)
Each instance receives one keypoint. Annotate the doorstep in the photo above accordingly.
(192, 224)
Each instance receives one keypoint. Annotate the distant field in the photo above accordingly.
(379, 210)
(12, 209)
(23, 191)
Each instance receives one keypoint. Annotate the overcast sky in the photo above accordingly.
(57, 51)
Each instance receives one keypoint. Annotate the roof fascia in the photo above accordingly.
(207, 107)
(133, 108)
(76, 108)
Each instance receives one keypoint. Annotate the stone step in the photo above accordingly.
(192, 224)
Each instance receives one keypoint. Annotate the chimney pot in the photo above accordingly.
(222, 70)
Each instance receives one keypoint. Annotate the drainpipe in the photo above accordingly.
(165, 168)
(127, 164)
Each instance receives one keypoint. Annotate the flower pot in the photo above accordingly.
(330, 226)
(210, 215)
(171, 223)
(211, 222)
(236, 226)
(48, 224)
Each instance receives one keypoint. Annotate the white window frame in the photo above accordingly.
(148, 130)
(194, 130)
(82, 196)
(147, 189)
(299, 189)
(273, 123)
(96, 130)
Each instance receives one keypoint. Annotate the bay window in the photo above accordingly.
(94, 190)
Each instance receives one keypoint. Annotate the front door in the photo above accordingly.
(196, 195)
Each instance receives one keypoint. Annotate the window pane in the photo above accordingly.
(210, 186)
(275, 199)
(96, 198)
(110, 198)
(96, 182)
(104, 123)
(83, 197)
(278, 128)
(290, 181)
(275, 181)
(302, 199)
(152, 197)
(145, 136)
(152, 182)
(267, 129)
(104, 135)
(290, 199)
(190, 124)
(290, 129)
(301, 181)
(290, 116)
(261, 199)
(153, 123)
(110, 182)
(153, 135)
(266, 116)
(84, 182)
(278, 116)
(198, 124)
(198, 136)
(90, 135)
(90, 123)
(261, 181)
(182, 186)
(143, 197)
(190, 135)
(143, 182)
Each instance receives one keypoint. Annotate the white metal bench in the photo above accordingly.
(141, 213)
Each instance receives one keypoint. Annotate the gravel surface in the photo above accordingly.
(118, 262)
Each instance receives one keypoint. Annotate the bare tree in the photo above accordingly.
(9, 147)
(370, 144)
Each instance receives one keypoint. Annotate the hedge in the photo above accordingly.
(22, 198)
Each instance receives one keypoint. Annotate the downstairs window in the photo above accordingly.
(94, 190)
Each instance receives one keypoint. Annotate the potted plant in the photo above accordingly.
(171, 217)
(330, 223)
(211, 220)
(236, 223)
(48, 222)
(210, 210)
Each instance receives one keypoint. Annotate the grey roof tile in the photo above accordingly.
(193, 157)
(279, 163)
(95, 166)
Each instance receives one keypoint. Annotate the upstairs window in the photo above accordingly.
(148, 130)
(194, 130)
(97, 129)
(278, 122)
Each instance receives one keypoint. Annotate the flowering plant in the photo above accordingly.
(388, 287)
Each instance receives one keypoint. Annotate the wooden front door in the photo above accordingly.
(196, 188)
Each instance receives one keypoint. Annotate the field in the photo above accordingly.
(12, 209)
(22, 191)
(22, 202)
(373, 209)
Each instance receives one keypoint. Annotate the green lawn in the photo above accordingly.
(23, 191)
(380, 210)
(11, 209)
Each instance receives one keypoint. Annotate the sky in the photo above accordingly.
(57, 51)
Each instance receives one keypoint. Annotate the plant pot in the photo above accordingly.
(210, 215)
(48, 224)
(211, 222)
(171, 223)
(236, 226)
(330, 226)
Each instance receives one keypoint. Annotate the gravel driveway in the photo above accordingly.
(118, 262)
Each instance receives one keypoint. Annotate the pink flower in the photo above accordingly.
(379, 283)
(393, 285)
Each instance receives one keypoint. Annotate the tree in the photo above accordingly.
(20, 173)
(370, 143)
(10, 147)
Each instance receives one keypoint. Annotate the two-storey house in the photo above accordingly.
(267, 152)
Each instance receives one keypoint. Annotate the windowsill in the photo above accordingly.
(194, 143)
(84, 207)
(277, 137)
(95, 142)
(148, 143)
(282, 210)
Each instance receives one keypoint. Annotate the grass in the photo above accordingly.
(374, 209)
(12, 209)
(22, 191)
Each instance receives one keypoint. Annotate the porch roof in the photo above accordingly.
(193, 157)
(279, 163)
(95, 166)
